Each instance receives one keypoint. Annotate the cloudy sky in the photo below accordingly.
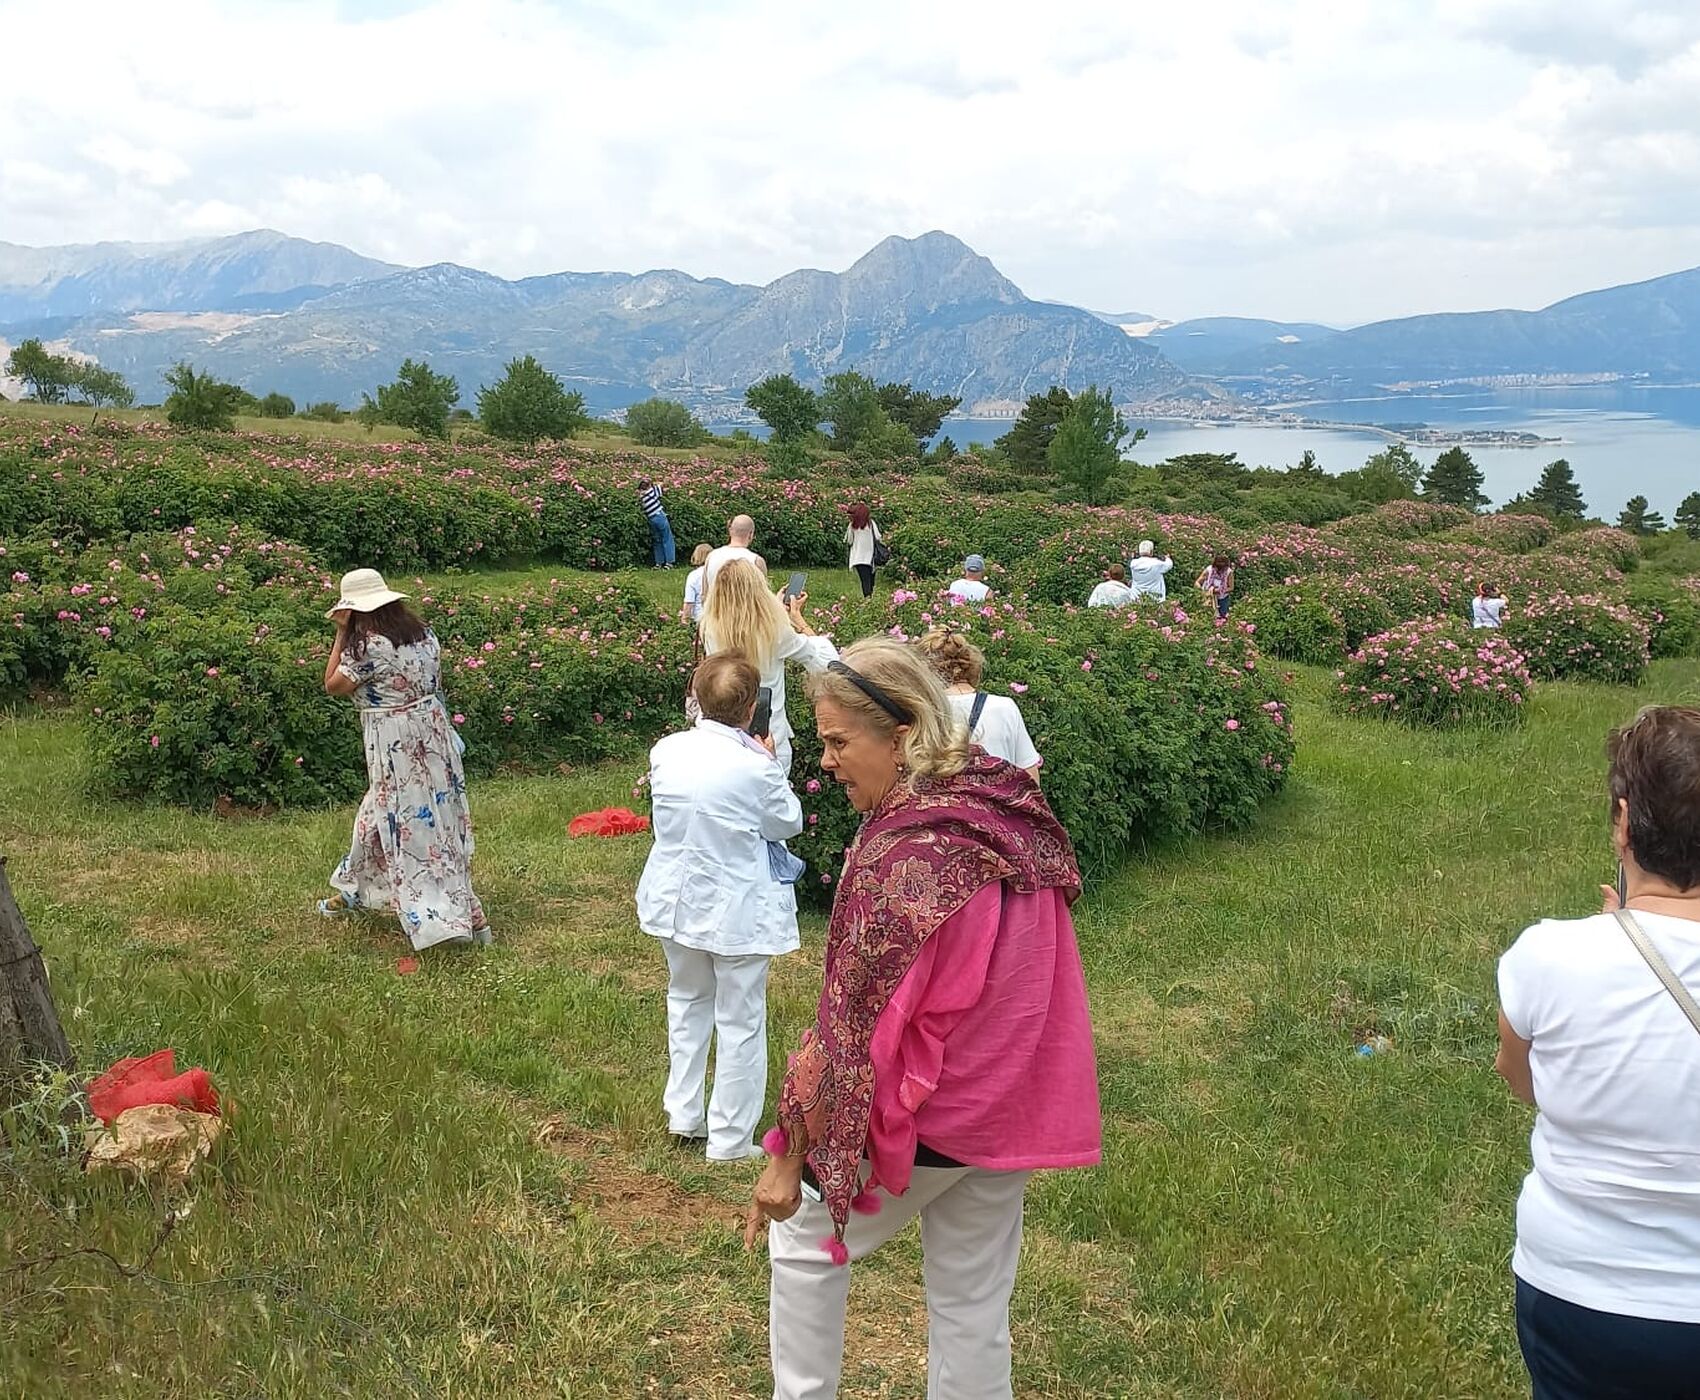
(1337, 161)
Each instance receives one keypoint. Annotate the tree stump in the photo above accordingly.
(29, 1023)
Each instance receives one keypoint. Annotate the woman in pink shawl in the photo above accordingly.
(951, 1053)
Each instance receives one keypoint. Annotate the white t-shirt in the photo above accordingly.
(1001, 731)
(861, 542)
(1145, 576)
(1609, 1218)
(719, 558)
(1110, 594)
(970, 590)
(1487, 612)
(693, 588)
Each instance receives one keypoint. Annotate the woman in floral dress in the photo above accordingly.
(412, 847)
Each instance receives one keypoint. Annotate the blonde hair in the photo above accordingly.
(936, 745)
(739, 614)
(699, 555)
(953, 656)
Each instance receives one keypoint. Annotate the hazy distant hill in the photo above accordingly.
(1648, 327)
(928, 310)
(258, 271)
(1214, 344)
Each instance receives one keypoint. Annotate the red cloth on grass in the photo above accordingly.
(610, 821)
(152, 1079)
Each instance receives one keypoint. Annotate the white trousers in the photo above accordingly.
(724, 998)
(970, 1244)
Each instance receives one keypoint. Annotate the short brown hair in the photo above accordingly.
(699, 555)
(1655, 769)
(1116, 573)
(954, 657)
(725, 687)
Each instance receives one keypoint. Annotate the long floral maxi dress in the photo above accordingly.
(412, 847)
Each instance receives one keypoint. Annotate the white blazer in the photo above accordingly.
(715, 804)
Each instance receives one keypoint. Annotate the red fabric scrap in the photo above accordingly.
(151, 1079)
(610, 821)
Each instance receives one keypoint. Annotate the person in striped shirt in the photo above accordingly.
(660, 529)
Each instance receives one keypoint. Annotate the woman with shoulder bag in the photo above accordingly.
(1599, 1030)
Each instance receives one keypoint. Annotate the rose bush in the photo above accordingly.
(1580, 637)
(1438, 672)
(1294, 621)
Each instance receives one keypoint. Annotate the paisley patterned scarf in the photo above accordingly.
(923, 853)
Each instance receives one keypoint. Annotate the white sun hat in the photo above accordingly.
(364, 590)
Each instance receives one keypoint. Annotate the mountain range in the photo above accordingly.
(318, 321)
(257, 309)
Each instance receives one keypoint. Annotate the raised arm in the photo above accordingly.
(336, 682)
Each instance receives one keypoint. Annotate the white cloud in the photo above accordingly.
(1294, 159)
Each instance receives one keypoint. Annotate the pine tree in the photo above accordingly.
(1455, 480)
(1557, 494)
(1025, 445)
(527, 403)
(1688, 515)
(1087, 448)
(1638, 520)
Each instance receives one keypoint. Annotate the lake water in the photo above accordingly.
(1622, 441)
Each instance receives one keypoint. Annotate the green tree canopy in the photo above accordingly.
(527, 403)
(1557, 494)
(789, 409)
(1307, 465)
(921, 413)
(418, 399)
(275, 405)
(325, 411)
(1026, 446)
(1085, 451)
(199, 400)
(49, 377)
(1455, 480)
(1688, 515)
(1638, 520)
(101, 386)
(1401, 462)
(663, 423)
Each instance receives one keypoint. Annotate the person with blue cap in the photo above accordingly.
(972, 586)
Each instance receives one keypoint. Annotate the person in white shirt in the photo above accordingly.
(1145, 573)
(972, 586)
(994, 722)
(739, 614)
(1113, 592)
(1487, 609)
(740, 533)
(1607, 1261)
(708, 893)
(693, 584)
(862, 535)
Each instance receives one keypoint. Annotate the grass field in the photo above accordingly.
(458, 1183)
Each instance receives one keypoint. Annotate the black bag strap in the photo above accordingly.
(979, 709)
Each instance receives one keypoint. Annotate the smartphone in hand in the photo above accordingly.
(761, 724)
(794, 589)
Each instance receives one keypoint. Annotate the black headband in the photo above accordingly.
(872, 691)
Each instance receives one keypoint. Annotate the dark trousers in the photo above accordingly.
(1222, 602)
(865, 572)
(661, 539)
(1575, 1353)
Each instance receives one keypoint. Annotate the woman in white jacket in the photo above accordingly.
(741, 615)
(712, 893)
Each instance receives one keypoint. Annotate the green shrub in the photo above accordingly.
(1579, 638)
(663, 423)
(1293, 621)
(1671, 612)
(1436, 672)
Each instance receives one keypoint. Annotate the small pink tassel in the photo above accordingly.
(774, 1142)
(836, 1250)
(865, 1202)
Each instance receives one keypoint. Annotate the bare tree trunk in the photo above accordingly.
(29, 1024)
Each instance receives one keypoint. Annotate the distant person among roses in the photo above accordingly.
(1487, 609)
(994, 722)
(1113, 592)
(710, 897)
(741, 615)
(693, 583)
(740, 533)
(1145, 573)
(1591, 1032)
(660, 529)
(951, 1051)
(1217, 581)
(862, 535)
(411, 854)
(972, 586)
